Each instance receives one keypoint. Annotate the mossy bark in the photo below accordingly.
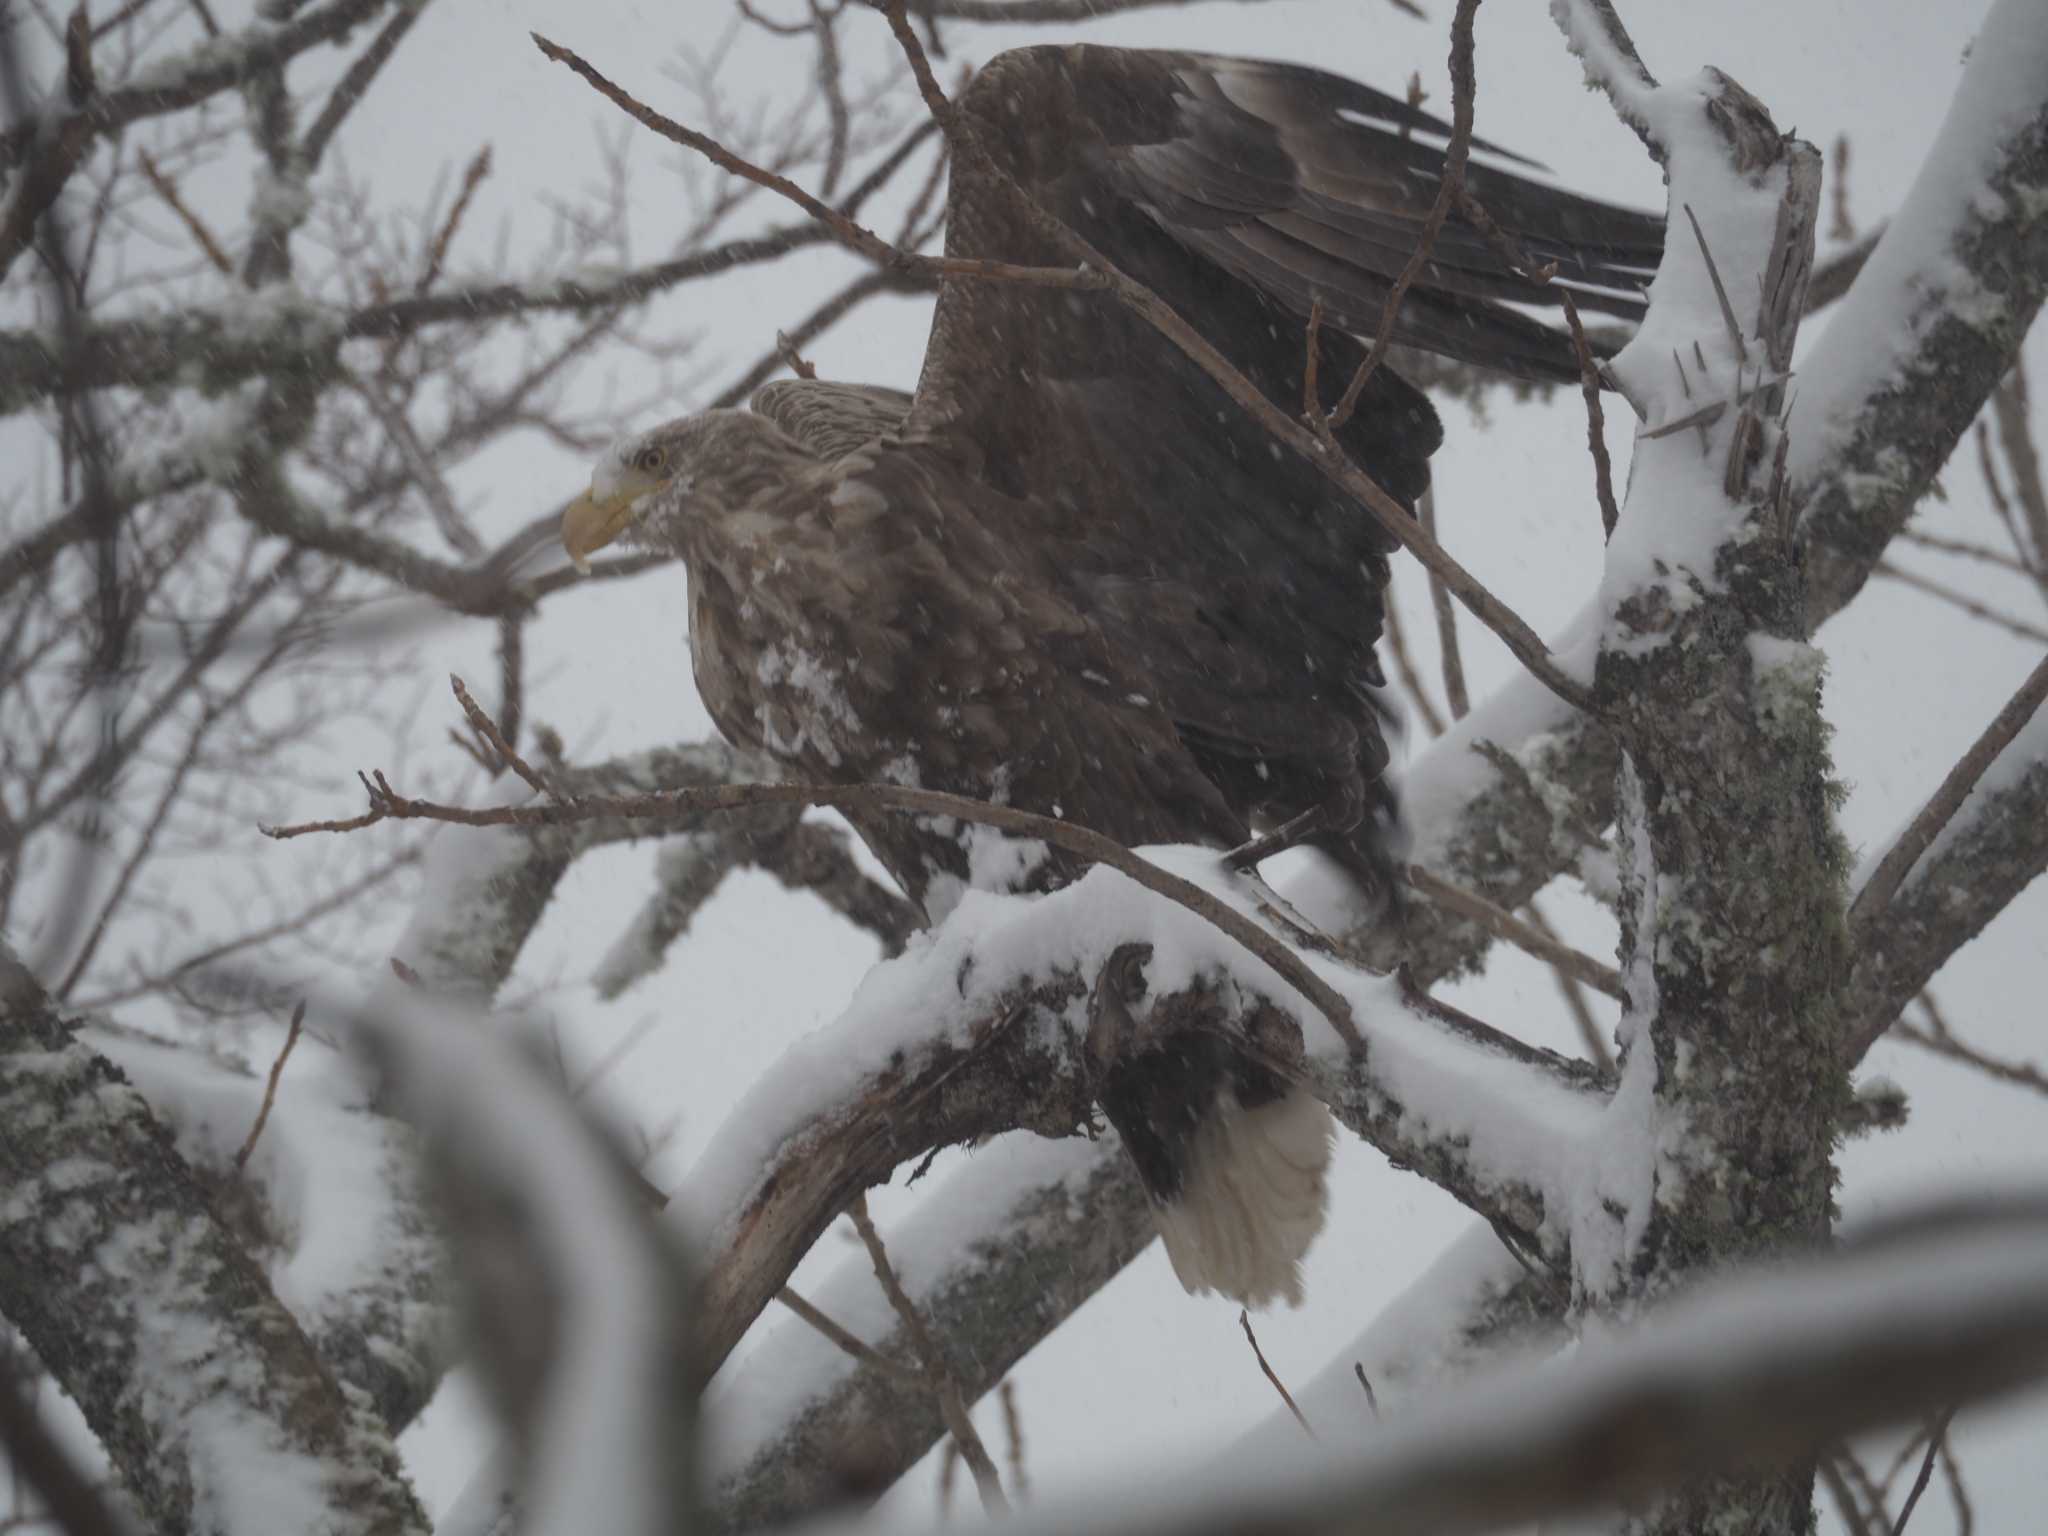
(1734, 942)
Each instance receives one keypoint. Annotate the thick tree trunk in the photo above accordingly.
(1733, 912)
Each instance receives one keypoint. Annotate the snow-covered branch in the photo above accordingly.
(1935, 320)
(297, 336)
(356, 1258)
(1991, 849)
(205, 1392)
(996, 1021)
(1762, 1370)
(1508, 798)
(1731, 901)
(997, 1257)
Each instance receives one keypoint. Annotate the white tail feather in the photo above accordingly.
(1252, 1199)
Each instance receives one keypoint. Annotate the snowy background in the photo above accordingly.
(1145, 1376)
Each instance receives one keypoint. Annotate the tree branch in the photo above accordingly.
(107, 1235)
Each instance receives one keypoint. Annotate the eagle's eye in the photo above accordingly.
(649, 460)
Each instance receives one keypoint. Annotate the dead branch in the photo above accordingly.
(858, 1348)
(270, 1087)
(1892, 870)
(1450, 654)
(1961, 601)
(937, 1377)
(1244, 1321)
(1572, 990)
(1942, 1041)
(1938, 1433)
(168, 191)
(1504, 924)
(1596, 427)
(683, 805)
(1404, 668)
(1464, 85)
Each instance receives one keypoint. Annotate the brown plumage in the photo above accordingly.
(1070, 575)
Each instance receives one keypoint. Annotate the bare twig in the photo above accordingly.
(1450, 656)
(1404, 668)
(1961, 601)
(1892, 870)
(1244, 1321)
(1942, 1041)
(1449, 185)
(355, 83)
(1966, 1517)
(799, 365)
(487, 728)
(1013, 1432)
(854, 1345)
(168, 191)
(386, 804)
(270, 1087)
(2011, 406)
(1833, 1472)
(1596, 427)
(1569, 986)
(1372, 1398)
(936, 1374)
(1967, 551)
(1720, 290)
(1504, 924)
(437, 254)
(854, 236)
(1935, 1437)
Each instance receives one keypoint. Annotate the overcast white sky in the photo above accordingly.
(1145, 1375)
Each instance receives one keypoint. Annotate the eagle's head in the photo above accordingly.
(649, 488)
(622, 483)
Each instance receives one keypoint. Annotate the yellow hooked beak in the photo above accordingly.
(591, 523)
(601, 514)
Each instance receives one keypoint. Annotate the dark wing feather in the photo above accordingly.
(1266, 150)
(1244, 588)
(829, 419)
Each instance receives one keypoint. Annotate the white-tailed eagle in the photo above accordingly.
(1070, 575)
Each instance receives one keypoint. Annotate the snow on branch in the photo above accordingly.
(1985, 759)
(1516, 794)
(1508, 798)
(1731, 904)
(206, 1394)
(995, 1023)
(356, 1260)
(1991, 849)
(996, 1257)
(1936, 318)
(283, 332)
(1763, 1369)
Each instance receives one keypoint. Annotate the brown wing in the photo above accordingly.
(1235, 578)
(1305, 184)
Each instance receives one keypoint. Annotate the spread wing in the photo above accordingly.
(1243, 586)
(1305, 184)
